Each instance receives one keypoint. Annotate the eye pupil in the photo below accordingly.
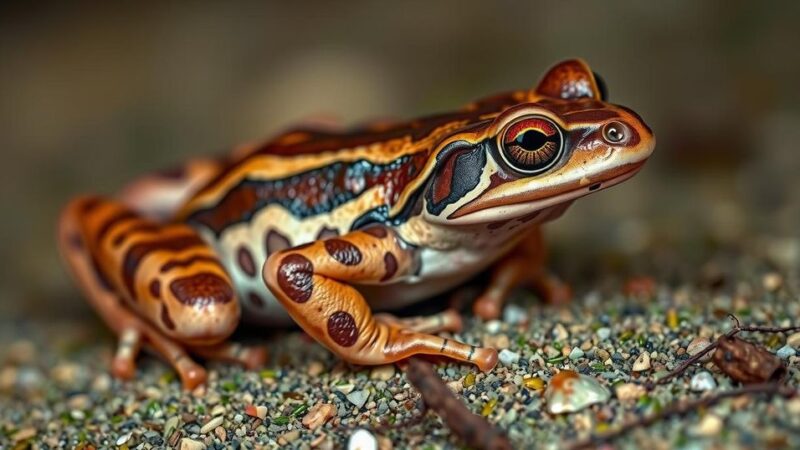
(531, 140)
(531, 145)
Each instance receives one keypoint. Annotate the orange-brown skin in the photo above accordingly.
(326, 224)
(312, 284)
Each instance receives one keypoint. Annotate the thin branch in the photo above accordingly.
(683, 407)
(473, 429)
(737, 328)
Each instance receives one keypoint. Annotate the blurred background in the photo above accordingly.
(92, 95)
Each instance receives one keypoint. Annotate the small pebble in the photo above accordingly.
(493, 326)
(559, 333)
(344, 388)
(642, 363)
(124, 438)
(515, 315)
(211, 424)
(358, 398)
(702, 381)
(786, 352)
(576, 353)
(384, 372)
(315, 368)
(570, 391)
(710, 425)
(289, 437)
(191, 444)
(629, 392)
(772, 281)
(794, 340)
(603, 333)
(318, 415)
(507, 357)
(697, 345)
(362, 439)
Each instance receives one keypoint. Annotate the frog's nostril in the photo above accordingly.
(595, 187)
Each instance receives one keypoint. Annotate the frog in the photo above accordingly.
(319, 226)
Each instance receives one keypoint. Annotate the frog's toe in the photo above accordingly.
(487, 307)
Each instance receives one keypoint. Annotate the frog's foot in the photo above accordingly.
(506, 277)
(552, 288)
(312, 283)
(447, 320)
(251, 357)
(155, 285)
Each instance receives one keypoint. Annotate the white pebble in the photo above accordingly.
(493, 326)
(358, 398)
(124, 438)
(785, 352)
(362, 439)
(559, 333)
(642, 363)
(191, 444)
(514, 315)
(710, 425)
(603, 333)
(794, 340)
(569, 391)
(344, 388)
(507, 357)
(702, 381)
(211, 424)
(576, 353)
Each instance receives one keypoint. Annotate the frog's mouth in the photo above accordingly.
(505, 207)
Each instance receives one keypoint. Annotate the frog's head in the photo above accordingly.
(560, 141)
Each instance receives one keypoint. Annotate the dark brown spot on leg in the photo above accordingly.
(390, 262)
(295, 277)
(201, 289)
(256, 300)
(326, 233)
(165, 318)
(343, 251)
(376, 230)
(276, 242)
(342, 328)
(155, 289)
(245, 259)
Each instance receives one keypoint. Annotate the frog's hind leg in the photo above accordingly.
(153, 284)
(159, 195)
(525, 265)
(313, 283)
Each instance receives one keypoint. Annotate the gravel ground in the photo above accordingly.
(620, 329)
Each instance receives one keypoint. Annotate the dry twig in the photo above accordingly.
(683, 407)
(473, 429)
(737, 328)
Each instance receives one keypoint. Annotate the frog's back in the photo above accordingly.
(311, 184)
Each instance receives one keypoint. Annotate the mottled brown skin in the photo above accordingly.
(173, 262)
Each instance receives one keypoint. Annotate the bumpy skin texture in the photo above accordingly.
(326, 224)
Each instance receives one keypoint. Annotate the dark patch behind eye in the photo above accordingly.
(458, 171)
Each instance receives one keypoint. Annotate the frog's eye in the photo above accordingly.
(615, 132)
(532, 144)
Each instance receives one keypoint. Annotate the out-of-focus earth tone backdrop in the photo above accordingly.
(92, 95)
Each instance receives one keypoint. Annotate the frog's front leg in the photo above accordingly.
(524, 265)
(314, 284)
(154, 284)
